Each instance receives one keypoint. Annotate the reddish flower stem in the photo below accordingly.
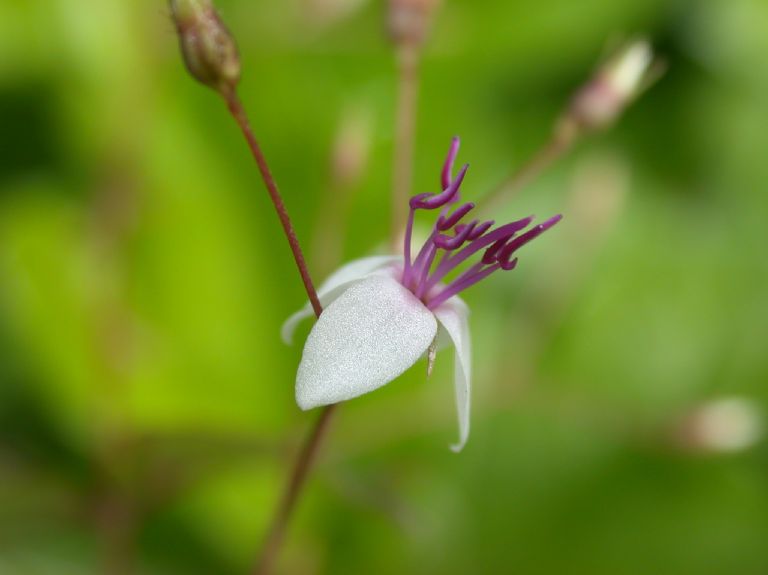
(238, 113)
(281, 518)
(405, 135)
(306, 457)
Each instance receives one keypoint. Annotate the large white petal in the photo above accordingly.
(333, 287)
(453, 317)
(366, 338)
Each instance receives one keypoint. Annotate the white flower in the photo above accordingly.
(382, 314)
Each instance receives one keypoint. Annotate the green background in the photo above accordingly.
(147, 417)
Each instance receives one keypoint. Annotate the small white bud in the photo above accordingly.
(725, 425)
(612, 88)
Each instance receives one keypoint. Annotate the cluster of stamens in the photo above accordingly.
(458, 241)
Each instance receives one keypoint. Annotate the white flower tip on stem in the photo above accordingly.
(612, 88)
(724, 425)
(627, 70)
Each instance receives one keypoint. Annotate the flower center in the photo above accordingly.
(451, 242)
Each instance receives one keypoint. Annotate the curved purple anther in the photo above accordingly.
(516, 243)
(417, 199)
(490, 255)
(471, 232)
(507, 265)
(479, 229)
(453, 242)
(432, 201)
(501, 233)
(447, 222)
(445, 175)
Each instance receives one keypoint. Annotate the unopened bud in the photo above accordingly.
(613, 87)
(209, 51)
(409, 20)
(351, 149)
(727, 424)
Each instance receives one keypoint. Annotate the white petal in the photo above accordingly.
(370, 335)
(333, 287)
(453, 317)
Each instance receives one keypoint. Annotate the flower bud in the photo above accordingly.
(351, 148)
(722, 425)
(409, 20)
(209, 51)
(613, 87)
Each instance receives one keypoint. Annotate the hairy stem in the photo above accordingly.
(405, 134)
(238, 113)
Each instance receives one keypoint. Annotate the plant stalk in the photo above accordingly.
(239, 115)
(293, 489)
(301, 467)
(405, 135)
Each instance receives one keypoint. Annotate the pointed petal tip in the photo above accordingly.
(306, 402)
(458, 447)
(288, 329)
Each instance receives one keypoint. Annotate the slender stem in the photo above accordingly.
(303, 463)
(238, 113)
(405, 135)
(292, 491)
(560, 142)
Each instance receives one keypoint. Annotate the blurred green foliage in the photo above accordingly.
(146, 402)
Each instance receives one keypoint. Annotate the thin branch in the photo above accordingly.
(298, 477)
(555, 148)
(302, 465)
(405, 135)
(238, 113)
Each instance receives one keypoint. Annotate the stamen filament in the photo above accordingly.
(422, 279)
(505, 231)
(445, 176)
(407, 247)
(460, 285)
(459, 241)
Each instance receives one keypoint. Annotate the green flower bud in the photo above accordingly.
(209, 50)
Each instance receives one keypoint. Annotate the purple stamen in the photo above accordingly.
(490, 254)
(432, 201)
(451, 243)
(446, 223)
(424, 271)
(502, 232)
(453, 151)
(507, 265)
(460, 285)
(534, 232)
(420, 275)
(479, 229)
